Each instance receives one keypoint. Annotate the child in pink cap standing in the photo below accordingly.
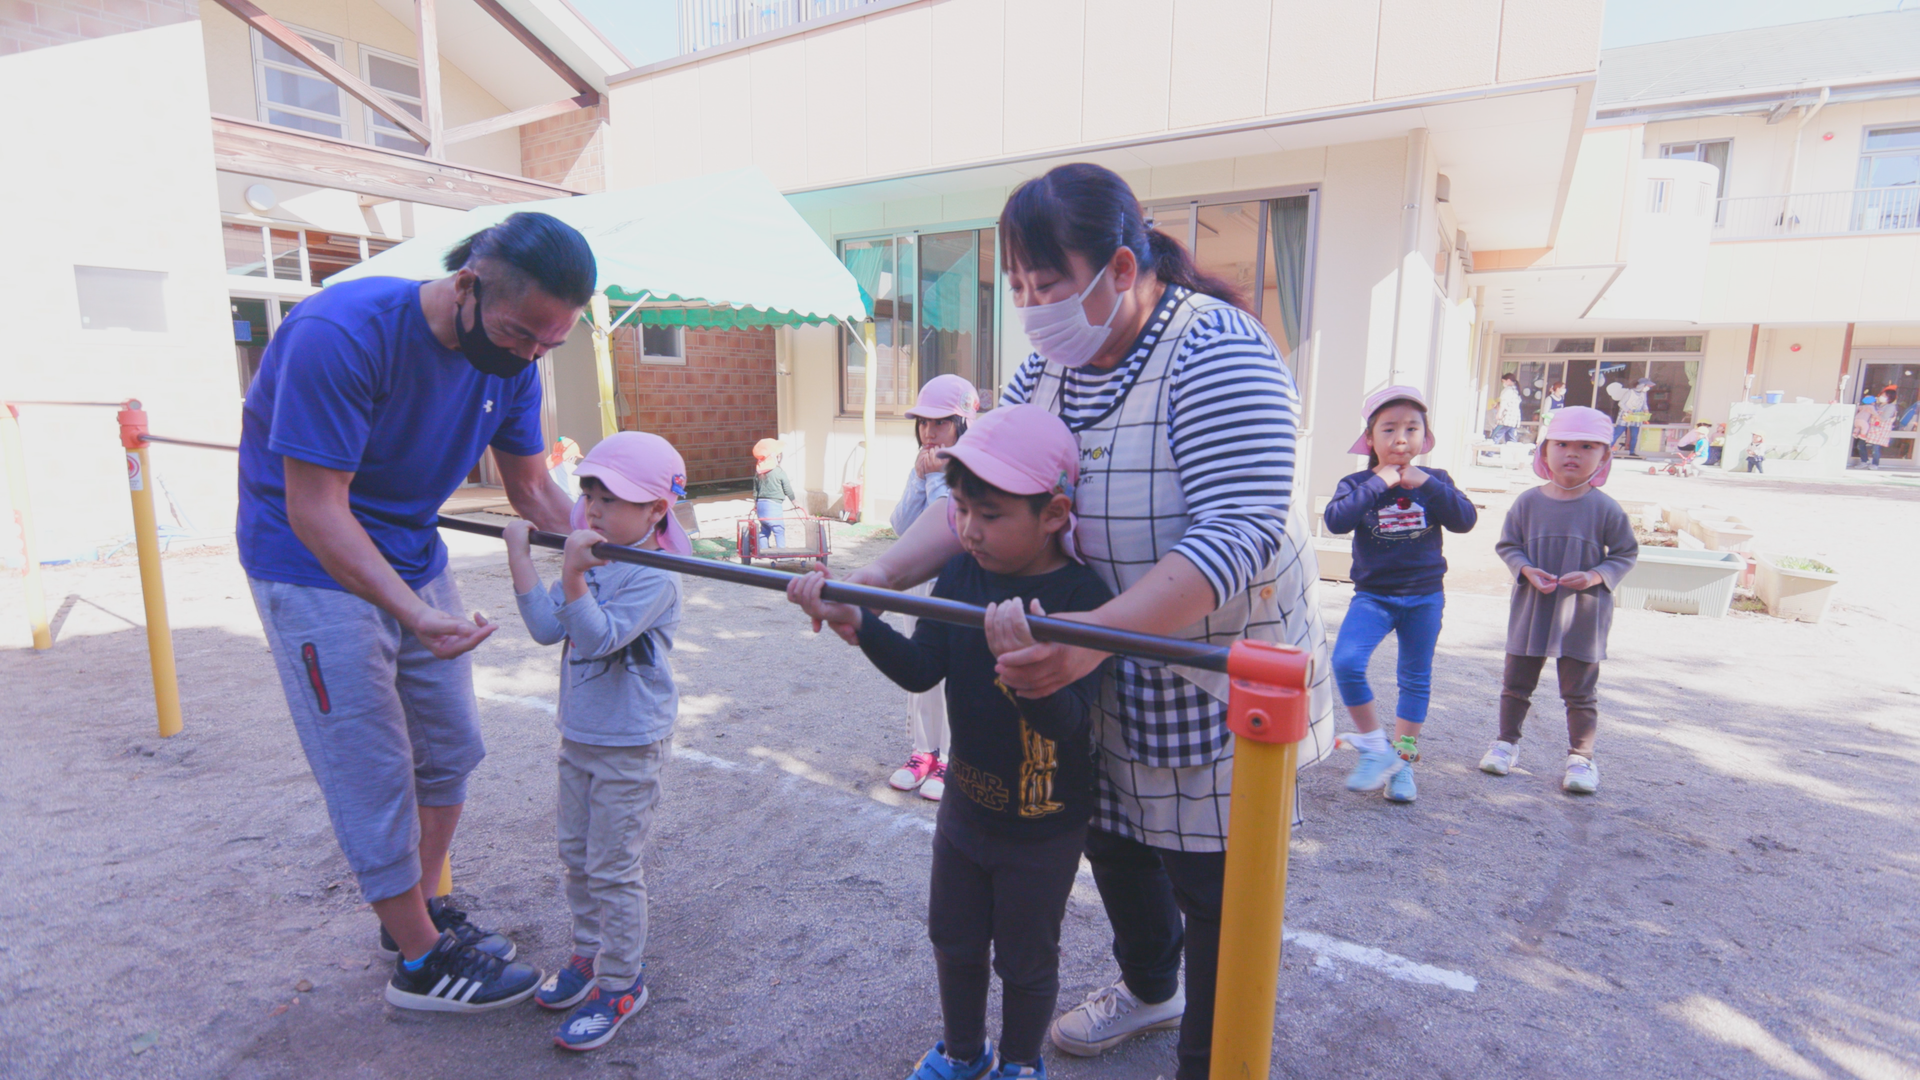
(940, 417)
(1008, 845)
(1395, 509)
(617, 708)
(1568, 544)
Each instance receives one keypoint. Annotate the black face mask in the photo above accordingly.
(479, 349)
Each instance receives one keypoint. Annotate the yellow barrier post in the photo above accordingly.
(1267, 712)
(444, 886)
(153, 587)
(11, 446)
(603, 363)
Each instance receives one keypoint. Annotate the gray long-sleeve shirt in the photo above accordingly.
(616, 687)
(1561, 536)
(922, 492)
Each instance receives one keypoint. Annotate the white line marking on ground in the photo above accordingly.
(1326, 949)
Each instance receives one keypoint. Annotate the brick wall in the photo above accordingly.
(36, 24)
(567, 150)
(714, 408)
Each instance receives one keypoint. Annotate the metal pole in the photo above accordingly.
(11, 445)
(869, 340)
(1267, 713)
(153, 587)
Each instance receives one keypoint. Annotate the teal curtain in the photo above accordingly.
(1288, 221)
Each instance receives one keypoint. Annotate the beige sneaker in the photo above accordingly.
(1500, 758)
(1110, 1016)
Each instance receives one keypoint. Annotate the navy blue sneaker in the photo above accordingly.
(938, 1066)
(1010, 1070)
(595, 1021)
(460, 978)
(447, 917)
(567, 987)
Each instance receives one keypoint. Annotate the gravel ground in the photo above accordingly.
(1738, 901)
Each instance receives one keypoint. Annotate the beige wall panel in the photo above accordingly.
(864, 217)
(1279, 169)
(1543, 38)
(910, 213)
(229, 62)
(632, 160)
(836, 86)
(899, 91)
(969, 79)
(676, 124)
(1889, 277)
(1723, 374)
(1219, 68)
(1129, 65)
(974, 205)
(778, 75)
(1046, 41)
(1591, 224)
(1191, 180)
(726, 99)
(1426, 47)
(1320, 54)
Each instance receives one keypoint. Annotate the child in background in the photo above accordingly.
(1006, 849)
(1757, 453)
(617, 708)
(1399, 510)
(1568, 545)
(1717, 445)
(940, 417)
(772, 494)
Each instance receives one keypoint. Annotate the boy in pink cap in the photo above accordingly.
(617, 708)
(1020, 770)
(947, 403)
(1568, 544)
(1395, 509)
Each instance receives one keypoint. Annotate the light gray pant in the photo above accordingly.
(926, 713)
(607, 799)
(387, 726)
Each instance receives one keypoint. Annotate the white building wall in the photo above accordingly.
(146, 100)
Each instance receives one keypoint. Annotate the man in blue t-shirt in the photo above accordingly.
(373, 403)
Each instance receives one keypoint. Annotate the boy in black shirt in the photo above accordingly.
(1006, 850)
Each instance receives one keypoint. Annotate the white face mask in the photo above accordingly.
(1060, 331)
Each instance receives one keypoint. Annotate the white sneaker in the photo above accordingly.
(1583, 776)
(1110, 1016)
(1500, 759)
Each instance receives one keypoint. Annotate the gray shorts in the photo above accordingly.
(387, 727)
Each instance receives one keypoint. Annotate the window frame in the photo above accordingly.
(262, 64)
(679, 339)
(372, 122)
(1720, 189)
(992, 366)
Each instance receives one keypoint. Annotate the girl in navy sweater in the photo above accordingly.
(1396, 511)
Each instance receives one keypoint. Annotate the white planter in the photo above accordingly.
(1792, 594)
(1681, 581)
(1722, 535)
(1335, 554)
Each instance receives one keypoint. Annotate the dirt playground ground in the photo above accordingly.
(1738, 901)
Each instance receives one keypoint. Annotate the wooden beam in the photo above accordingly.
(278, 33)
(250, 148)
(426, 36)
(515, 119)
(534, 45)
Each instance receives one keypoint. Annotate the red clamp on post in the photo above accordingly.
(1269, 701)
(133, 426)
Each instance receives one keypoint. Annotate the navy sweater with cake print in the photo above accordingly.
(1396, 543)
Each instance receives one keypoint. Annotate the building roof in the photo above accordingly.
(1883, 46)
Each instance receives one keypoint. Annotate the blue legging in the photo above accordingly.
(1370, 617)
(772, 525)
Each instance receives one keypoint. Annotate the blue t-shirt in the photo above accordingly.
(356, 381)
(1396, 544)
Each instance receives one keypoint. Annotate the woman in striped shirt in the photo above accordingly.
(1186, 417)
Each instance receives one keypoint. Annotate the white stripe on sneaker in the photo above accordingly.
(439, 986)
(468, 996)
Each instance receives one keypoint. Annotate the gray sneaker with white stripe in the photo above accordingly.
(460, 978)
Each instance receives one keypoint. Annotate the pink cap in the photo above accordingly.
(1577, 423)
(944, 396)
(638, 467)
(1023, 450)
(1380, 399)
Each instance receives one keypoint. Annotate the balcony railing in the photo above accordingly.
(1820, 213)
(705, 24)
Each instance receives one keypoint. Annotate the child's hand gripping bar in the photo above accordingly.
(1064, 631)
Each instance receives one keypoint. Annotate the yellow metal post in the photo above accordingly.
(1267, 713)
(603, 363)
(11, 446)
(445, 884)
(153, 587)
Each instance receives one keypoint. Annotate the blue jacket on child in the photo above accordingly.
(1396, 546)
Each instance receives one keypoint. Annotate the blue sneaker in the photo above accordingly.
(1009, 1070)
(938, 1066)
(1401, 788)
(567, 987)
(595, 1021)
(1374, 768)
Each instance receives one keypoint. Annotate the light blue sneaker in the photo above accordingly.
(1401, 787)
(938, 1066)
(1374, 768)
(1011, 1071)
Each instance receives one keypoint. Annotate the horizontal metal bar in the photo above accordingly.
(1064, 631)
(188, 442)
(76, 404)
